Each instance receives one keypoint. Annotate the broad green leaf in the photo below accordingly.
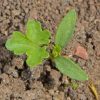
(69, 68)
(33, 43)
(19, 43)
(35, 57)
(66, 29)
(35, 33)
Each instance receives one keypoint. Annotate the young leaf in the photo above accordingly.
(56, 51)
(32, 43)
(66, 29)
(35, 33)
(68, 67)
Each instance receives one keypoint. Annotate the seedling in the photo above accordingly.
(35, 41)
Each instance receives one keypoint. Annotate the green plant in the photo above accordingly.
(35, 41)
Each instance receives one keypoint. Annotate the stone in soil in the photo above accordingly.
(81, 52)
(17, 62)
(55, 75)
(36, 72)
(11, 71)
(26, 74)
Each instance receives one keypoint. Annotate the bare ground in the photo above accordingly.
(17, 82)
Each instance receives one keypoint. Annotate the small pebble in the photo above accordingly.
(81, 52)
(6, 69)
(18, 62)
(48, 68)
(55, 76)
(26, 74)
(65, 79)
(15, 74)
(68, 98)
(51, 91)
(36, 72)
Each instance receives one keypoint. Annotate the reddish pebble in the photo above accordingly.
(81, 52)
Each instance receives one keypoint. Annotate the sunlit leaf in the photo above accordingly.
(33, 43)
(66, 29)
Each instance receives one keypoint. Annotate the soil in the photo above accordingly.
(17, 81)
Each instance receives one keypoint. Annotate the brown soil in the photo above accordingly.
(17, 82)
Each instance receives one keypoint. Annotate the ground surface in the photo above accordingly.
(17, 82)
